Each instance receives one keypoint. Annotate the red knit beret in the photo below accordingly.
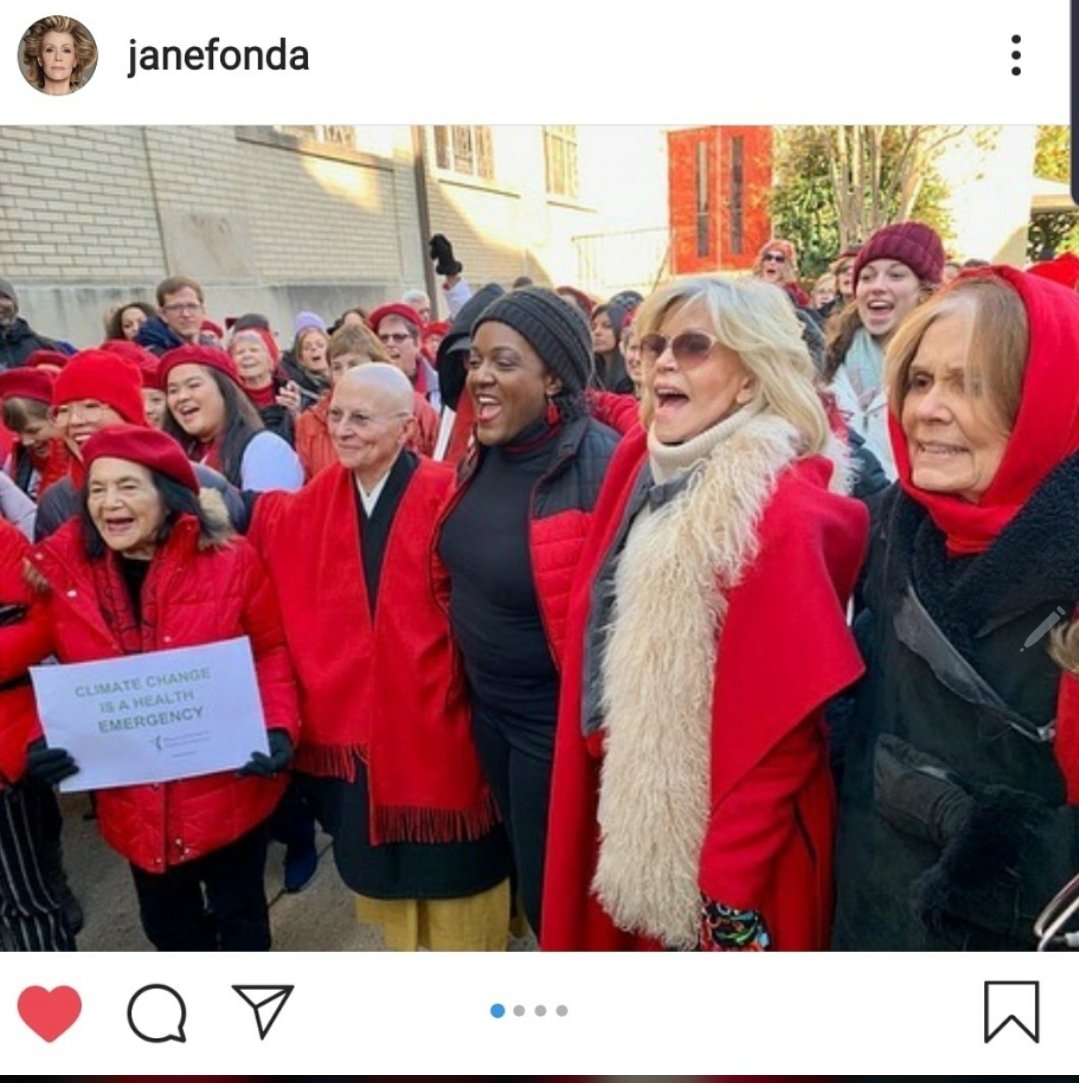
(913, 243)
(439, 327)
(139, 356)
(398, 309)
(47, 357)
(208, 356)
(104, 377)
(155, 450)
(24, 383)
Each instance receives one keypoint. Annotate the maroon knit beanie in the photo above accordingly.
(104, 377)
(913, 243)
(208, 356)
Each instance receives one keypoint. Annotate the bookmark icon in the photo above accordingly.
(266, 1001)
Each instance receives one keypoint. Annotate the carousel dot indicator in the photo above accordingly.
(541, 1011)
(518, 1010)
(498, 1010)
(561, 1010)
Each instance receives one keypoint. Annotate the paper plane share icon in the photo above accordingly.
(266, 1001)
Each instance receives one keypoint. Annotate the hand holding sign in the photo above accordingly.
(153, 717)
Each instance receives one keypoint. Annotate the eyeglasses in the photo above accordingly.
(396, 337)
(688, 348)
(773, 257)
(187, 309)
(356, 422)
(88, 410)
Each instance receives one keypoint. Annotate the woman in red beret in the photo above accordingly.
(277, 400)
(217, 423)
(38, 457)
(145, 569)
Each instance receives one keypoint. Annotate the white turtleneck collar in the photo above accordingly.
(668, 460)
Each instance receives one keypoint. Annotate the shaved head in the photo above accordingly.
(386, 383)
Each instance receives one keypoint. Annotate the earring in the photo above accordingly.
(553, 416)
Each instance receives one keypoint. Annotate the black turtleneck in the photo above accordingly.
(493, 607)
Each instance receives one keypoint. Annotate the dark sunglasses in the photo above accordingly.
(690, 347)
(773, 257)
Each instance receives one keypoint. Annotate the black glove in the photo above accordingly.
(1003, 852)
(917, 793)
(279, 758)
(442, 254)
(49, 765)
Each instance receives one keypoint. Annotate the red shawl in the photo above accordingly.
(390, 691)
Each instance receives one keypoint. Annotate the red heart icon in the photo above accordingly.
(49, 1013)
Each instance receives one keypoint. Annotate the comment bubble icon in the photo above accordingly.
(157, 1013)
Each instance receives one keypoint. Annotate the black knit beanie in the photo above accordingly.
(554, 328)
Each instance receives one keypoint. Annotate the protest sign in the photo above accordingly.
(153, 717)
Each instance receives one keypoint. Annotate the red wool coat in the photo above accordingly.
(190, 597)
(785, 649)
(22, 644)
(390, 691)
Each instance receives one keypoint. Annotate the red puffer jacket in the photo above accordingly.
(22, 643)
(562, 503)
(191, 596)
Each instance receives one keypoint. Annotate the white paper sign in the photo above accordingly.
(153, 717)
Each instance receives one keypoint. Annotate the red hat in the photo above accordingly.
(398, 309)
(913, 243)
(207, 356)
(26, 383)
(139, 356)
(264, 336)
(584, 302)
(1063, 270)
(47, 357)
(213, 328)
(155, 450)
(439, 327)
(104, 377)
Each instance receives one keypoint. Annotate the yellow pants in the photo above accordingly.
(472, 923)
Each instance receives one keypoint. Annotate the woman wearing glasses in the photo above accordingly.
(777, 262)
(895, 271)
(214, 420)
(511, 541)
(692, 803)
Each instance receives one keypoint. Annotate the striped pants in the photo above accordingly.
(31, 918)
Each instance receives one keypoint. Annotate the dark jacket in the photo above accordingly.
(954, 832)
(156, 335)
(310, 389)
(562, 504)
(18, 342)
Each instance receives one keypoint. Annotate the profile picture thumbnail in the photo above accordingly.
(58, 55)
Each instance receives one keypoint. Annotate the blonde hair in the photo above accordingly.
(85, 48)
(1000, 341)
(360, 340)
(757, 322)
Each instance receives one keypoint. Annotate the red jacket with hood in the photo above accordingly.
(191, 596)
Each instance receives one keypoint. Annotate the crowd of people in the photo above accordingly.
(736, 617)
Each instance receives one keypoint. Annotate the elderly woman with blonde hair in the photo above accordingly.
(58, 54)
(692, 803)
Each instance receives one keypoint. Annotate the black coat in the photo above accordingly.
(953, 830)
(18, 342)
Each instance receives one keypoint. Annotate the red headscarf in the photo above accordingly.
(1046, 429)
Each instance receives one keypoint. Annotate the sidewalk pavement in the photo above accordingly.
(319, 918)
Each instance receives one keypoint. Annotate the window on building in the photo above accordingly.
(560, 149)
(336, 135)
(704, 202)
(738, 194)
(465, 149)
